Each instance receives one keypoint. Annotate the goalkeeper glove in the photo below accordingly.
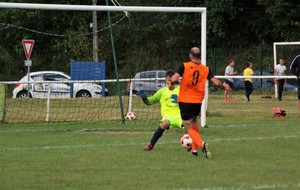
(175, 98)
(142, 94)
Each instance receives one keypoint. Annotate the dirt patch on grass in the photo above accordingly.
(118, 132)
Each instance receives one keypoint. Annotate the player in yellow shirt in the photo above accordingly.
(248, 81)
(167, 96)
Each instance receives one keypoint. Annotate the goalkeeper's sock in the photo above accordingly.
(196, 137)
(158, 133)
(194, 145)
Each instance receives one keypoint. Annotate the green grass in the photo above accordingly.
(84, 146)
(261, 155)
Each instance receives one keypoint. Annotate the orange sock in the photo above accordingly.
(196, 128)
(196, 137)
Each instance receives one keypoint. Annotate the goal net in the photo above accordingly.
(55, 109)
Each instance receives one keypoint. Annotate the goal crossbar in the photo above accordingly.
(100, 8)
(275, 44)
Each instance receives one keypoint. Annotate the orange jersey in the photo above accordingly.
(192, 87)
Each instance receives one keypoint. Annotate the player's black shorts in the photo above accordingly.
(229, 83)
(298, 89)
(189, 110)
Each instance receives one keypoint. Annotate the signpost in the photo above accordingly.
(28, 46)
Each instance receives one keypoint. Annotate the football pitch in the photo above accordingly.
(264, 155)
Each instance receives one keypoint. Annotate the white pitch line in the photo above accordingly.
(105, 129)
(47, 130)
(245, 125)
(75, 146)
(283, 186)
(135, 144)
(29, 130)
(274, 186)
(255, 138)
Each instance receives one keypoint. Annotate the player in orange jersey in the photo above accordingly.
(191, 95)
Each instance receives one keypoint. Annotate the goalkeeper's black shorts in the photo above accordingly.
(189, 110)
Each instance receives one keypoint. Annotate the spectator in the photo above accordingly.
(280, 70)
(248, 81)
(229, 71)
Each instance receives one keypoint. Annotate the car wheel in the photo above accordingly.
(83, 94)
(23, 94)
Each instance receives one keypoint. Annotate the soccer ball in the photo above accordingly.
(186, 141)
(130, 116)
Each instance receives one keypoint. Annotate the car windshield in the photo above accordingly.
(148, 75)
(37, 77)
(162, 74)
(55, 77)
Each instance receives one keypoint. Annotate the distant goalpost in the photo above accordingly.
(201, 10)
(275, 44)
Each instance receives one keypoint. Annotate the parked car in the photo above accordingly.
(150, 87)
(261, 83)
(59, 90)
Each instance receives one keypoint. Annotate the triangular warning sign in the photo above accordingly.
(28, 46)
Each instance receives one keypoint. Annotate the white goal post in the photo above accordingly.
(275, 44)
(201, 10)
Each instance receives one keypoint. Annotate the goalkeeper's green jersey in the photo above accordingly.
(168, 105)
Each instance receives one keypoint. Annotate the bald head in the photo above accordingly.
(195, 53)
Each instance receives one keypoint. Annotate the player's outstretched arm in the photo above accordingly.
(219, 84)
(149, 100)
(143, 95)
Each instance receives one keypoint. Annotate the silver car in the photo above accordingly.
(150, 87)
(58, 90)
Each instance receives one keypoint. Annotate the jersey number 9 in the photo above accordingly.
(195, 78)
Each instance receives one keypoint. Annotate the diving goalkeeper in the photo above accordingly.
(167, 96)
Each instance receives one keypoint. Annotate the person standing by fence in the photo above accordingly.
(229, 71)
(280, 70)
(248, 81)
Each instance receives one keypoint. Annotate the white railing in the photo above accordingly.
(144, 79)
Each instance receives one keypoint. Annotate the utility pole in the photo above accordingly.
(95, 34)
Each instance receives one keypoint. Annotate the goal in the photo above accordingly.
(276, 53)
(201, 10)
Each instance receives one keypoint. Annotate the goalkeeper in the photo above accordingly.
(167, 96)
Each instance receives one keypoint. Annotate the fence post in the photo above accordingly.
(48, 103)
(261, 65)
(215, 61)
(2, 102)
(130, 97)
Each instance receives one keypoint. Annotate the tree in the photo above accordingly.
(284, 17)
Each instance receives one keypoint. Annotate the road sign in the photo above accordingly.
(28, 46)
(28, 63)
